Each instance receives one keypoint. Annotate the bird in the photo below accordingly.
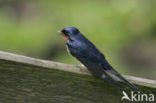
(87, 53)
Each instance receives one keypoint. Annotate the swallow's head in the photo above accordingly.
(69, 33)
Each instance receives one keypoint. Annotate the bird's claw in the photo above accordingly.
(79, 67)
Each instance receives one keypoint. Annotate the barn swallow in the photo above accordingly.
(87, 53)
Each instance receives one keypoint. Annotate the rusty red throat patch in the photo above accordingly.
(65, 37)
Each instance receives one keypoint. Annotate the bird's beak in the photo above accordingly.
(63, 35)
(60, 32)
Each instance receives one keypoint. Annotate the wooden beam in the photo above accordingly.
(67, 67)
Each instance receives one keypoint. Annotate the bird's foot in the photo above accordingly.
(79, 67)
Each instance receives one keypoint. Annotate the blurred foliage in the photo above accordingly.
(124, 30)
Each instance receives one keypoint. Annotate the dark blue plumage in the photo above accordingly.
(82, 49)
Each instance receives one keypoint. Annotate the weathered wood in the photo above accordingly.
(27, 80)
(67, 67)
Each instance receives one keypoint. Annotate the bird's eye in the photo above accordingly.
(66, 32)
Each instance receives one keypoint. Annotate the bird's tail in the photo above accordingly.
(111, 80)
(114, 72)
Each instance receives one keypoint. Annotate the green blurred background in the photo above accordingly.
(124, 30)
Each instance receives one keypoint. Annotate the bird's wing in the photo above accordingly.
(109, 69)
(97, 69)
(96, 61)
(91, 61)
